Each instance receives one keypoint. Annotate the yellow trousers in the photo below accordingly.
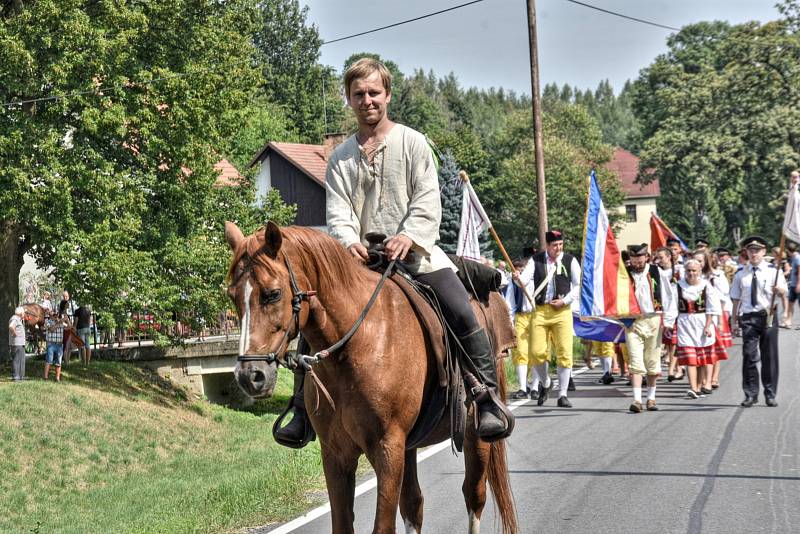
(555, 324)
(523, 325)
(603, 349)
(643, 339)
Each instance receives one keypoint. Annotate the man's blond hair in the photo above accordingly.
(363, 68)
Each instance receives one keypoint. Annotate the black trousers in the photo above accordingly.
(759, 343)
(454, 300)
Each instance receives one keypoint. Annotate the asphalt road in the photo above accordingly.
(704, 465)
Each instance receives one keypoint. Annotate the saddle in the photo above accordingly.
(446, 394)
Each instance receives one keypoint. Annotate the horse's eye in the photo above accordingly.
(270, 296)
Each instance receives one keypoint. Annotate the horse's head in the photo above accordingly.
(261, 289)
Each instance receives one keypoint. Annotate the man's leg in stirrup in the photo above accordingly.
(298, 432)
(495, 421)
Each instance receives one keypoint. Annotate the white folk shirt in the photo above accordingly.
(721, 284)
(765, 274)
(668, 297)
(396, 194)
(553, 267)
(691, 326)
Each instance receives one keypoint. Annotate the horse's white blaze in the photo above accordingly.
(244, 331)
(474, 523)
(411, 528)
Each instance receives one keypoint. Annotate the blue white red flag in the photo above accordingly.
(606, 288)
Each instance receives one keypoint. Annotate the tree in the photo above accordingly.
(720, 113)
(112, 184)
(452, 194)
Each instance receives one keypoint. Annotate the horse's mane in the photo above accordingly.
(319, 253)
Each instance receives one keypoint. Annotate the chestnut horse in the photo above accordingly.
(375, 381)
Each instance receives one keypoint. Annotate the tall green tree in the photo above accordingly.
(108, 177)
(720, 112)
(452, 193)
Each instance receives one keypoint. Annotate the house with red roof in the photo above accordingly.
(297, 171)
(640, 199)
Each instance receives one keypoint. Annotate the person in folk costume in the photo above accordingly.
(698, 304)
(751, 293)
(669, 336)
(383, 180)
(676, 251)
(724, 339)
(556, 275)
(655, 293)
(522, 354)
(723, 288)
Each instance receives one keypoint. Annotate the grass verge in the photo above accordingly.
(113, 448)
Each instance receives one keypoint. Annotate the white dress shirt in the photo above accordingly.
(765, 275)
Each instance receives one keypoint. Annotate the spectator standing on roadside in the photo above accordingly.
(83, 320)
(794, 286)
(16, 342)
(54, 328)
(47, 304)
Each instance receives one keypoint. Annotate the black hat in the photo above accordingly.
(637, 250)
(754, 241)
(722, 250)
(671, 240)
(527, 252)
(553, 235)
(701, 243)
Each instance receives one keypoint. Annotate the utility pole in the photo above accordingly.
(537, 123)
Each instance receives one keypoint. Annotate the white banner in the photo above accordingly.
(791, 221)
(473, 222)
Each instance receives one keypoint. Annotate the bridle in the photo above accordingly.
(304, 360)
(298, 297)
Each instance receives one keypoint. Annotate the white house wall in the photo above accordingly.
(263, 182)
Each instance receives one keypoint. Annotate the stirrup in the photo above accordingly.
(300, 412)
(482, 395)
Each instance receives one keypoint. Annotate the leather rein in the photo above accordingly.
(305, 360)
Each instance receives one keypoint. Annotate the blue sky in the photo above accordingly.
(486, 44)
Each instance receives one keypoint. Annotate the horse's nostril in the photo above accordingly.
(257, 377)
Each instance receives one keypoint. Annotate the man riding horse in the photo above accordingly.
(383, 180)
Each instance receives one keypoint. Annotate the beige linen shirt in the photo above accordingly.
(396, 194)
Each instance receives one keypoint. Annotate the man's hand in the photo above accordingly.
(359, 251)
(397, 247)
(557, 303)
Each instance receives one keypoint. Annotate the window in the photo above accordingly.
(630, 213)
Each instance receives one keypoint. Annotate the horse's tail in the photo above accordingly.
(499, 480)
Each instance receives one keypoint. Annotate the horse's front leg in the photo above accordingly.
(340, 466)
(387, 457)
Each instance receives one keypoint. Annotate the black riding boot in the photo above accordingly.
(299, 431)
(495, 421)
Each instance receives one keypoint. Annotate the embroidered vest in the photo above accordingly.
(693, 306)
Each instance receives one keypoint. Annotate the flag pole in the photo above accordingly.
(509, 264)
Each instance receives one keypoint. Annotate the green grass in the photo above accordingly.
(114, 448)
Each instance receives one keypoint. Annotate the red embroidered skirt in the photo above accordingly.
(697, 356)
(669, 336)
(724, 331)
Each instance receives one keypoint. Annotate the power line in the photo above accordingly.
(656, 24)
(402, 22)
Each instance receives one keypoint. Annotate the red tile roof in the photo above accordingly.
(228, 175)
(626, 165)
(310, 159)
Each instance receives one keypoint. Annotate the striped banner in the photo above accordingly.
(606, 288)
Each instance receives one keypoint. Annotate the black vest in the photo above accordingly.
(654, 281)
(699, 306)
(563, 276)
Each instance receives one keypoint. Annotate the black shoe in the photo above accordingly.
(571, 385)
(771, 402)
(606, 379)
(535, 394)
(299, 431)
(670, 378)
(748, 402)
(563, 402)
(705, 391)
(520, 394)
(544, 393)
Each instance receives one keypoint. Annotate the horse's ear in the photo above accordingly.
(233, 235)
(272, 238)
